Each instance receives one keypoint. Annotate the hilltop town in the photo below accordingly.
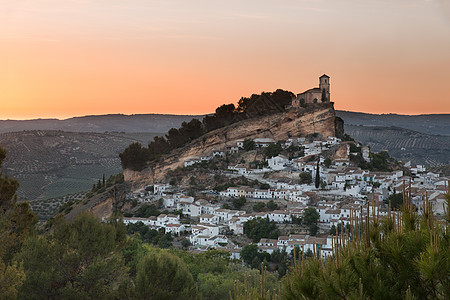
(209, 198)
(346, 192)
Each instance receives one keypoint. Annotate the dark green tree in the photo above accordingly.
(271, 205)
(317, 180)
(264, 186)
(249, 253)
(226, 206)
(305, 178)
(239, 202)
(333, 230)
(185, 243)
(165, 241)
(396, 200)
(158, 146)
(134, 157)
(249, 145)
(147, 210)
(273, 150)
(80, 260)
(162, 275)
(310, 218)
(260, 206)
(261, 228)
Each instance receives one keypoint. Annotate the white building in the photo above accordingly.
(175, 229)
(160, 189)
(280, 216)
(279, 162)
(209, 219)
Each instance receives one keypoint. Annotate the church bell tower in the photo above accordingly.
(324, 86)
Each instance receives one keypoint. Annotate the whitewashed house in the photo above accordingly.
(209, 219)
(280, 216)
(175, 229)
(263, 142)
(160, 189)
(279, 162)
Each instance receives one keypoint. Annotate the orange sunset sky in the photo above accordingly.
(64, 58)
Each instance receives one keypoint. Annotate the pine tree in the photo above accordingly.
(406, 253)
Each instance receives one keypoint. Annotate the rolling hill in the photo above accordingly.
(435, 124)
(404, 144)
(54, 163)
(101, 123)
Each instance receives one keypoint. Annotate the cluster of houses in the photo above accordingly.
(346, 192)
(277, 163)
(322, 245)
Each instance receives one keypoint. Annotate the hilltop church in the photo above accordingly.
(315, 95)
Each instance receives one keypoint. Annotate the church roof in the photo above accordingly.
(324, 75)
(314, 90)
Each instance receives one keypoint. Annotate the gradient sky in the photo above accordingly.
(63, 58)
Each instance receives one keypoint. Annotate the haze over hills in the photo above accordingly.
(404, 144)
(434, 124)
(421, 139)
(101, 123)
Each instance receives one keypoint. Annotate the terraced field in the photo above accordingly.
(403, 144)
(51, 164)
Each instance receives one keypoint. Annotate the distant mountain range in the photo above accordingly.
(101, 123)
(434, 124)
(421, 139)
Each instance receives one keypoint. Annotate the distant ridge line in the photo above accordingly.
(433, 124)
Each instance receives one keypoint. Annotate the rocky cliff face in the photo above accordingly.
(319, 118)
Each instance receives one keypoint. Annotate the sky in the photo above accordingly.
(64, 58)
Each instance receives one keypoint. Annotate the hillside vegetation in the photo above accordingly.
(135, 157)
